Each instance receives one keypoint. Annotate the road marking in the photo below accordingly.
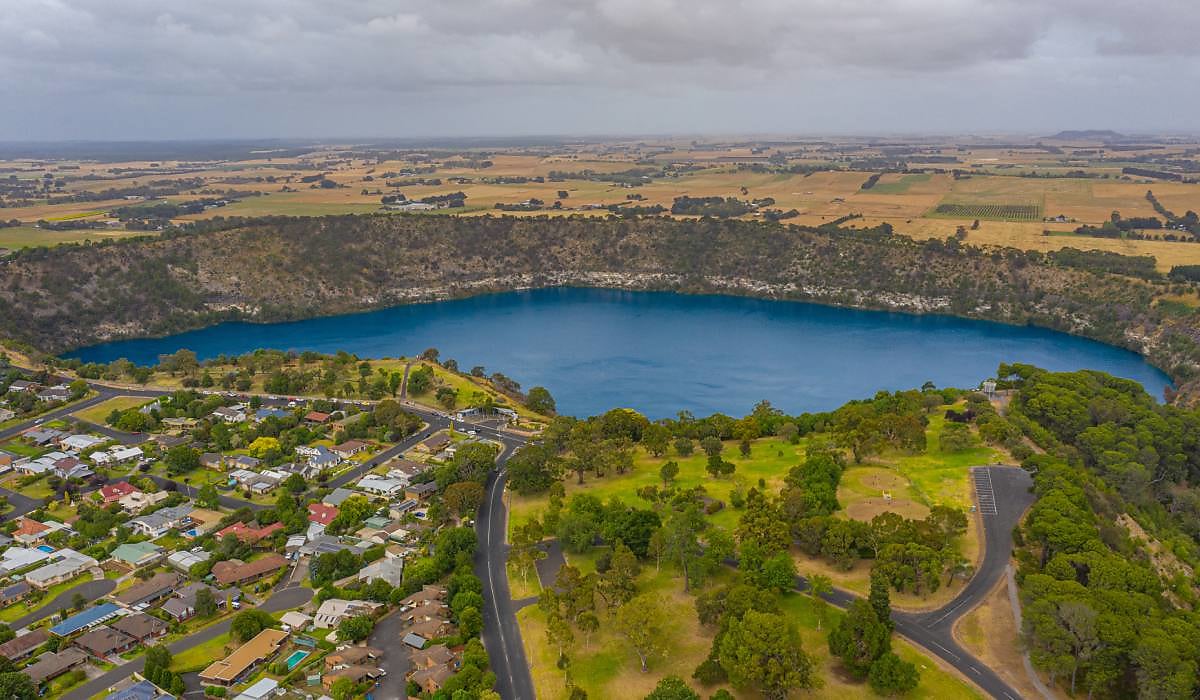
(492, 579)
(948, 613)
(985, 495)
(939, 646)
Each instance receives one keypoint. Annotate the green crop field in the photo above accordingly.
(991, 212)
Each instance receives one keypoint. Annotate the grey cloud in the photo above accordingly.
(632, 62)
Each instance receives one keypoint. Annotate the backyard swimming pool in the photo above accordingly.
(295, 659)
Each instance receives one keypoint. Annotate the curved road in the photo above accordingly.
(90, 590)
(1002, 494)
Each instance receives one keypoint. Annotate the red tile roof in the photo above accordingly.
(321, 513)
(247, 533)
(29, 527)
(117, 491)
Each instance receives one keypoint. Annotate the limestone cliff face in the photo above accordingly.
(295, 268)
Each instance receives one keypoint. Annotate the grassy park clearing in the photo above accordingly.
(98, 413)
(604, 666)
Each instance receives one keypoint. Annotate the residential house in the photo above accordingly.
(23, 385)
(54, 393)
(118, 455)
(246, 462)
(29, 531)
(352, 656)
(295, 621)
(18, 648)
(337, 496)
(166, 442)
(7, 459)
(201, 521)
(322, 458)
(422, 491)
(51, 665)
(356, 675)
(138, 501)
(150, 591)
(69, 565)
(44, 436)
(325, 544)
(16, 558)
(304, 469)
(238, 665)
(265, 412)
(316, 417)
(431, 680)
(433, 629)
(415, 641)
(380, 486)
(86, 619)
(71, 468)
(434, 444)
(234, 572)
(162, 521)
(428, 595)
(138, 554)
(262, 689)
(183, 560)
(113, 493)
(102, 642)
(15, 593)
(141, 627)
(405, 470)
(230, 414)
(242, 476)
(389, 569)
(248, 533)
(137, 688)
(434, 656)
(333, 611)
(79, 443)
(182, 605)
(213, 460)
(321, 514)
(348, 449)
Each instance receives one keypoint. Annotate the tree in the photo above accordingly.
(655, 438)
(763, 651)
(208, 497)
(524, 551)
(672, 688)
(859, 639)
(588, 623)
(343, 689)
(248, 623)
(295, 483)
(17, 686)
(463, 498)
(78, 601)
(356, 629)
(181, 459)
(891, 675)
(642, 623)
(206, 604)
(669, 471)
(881, 600)
(712, 446)
(819, 586)
(617, 585)
(684, 446)
(955, 437)
(539, 400)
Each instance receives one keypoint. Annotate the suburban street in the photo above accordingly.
(282, 599)
(90, 590)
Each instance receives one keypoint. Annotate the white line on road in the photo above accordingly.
(492, 579)
(939, 646)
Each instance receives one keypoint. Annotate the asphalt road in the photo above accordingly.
(283, 599)
(501, 634)
(90, 590)
(395, 661)
(21, 504)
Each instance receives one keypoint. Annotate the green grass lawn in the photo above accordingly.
(29, 236)
(200, 656)
(13, 612)
(23, 449)
(769, 460)
(98, 413)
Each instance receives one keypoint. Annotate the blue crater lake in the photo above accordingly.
(660, 352)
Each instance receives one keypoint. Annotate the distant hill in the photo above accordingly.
(1089, 135)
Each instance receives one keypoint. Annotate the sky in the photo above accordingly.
(185, 69)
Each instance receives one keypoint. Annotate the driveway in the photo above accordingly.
(386, 636)
(90, 590)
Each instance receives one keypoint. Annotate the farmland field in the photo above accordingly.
(991, 212)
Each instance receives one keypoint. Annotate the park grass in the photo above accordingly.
(769, 460)
(605, 667)
(98, 413)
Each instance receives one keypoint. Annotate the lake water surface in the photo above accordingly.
(660, 352)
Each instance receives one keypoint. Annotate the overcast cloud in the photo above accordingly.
(131, 69)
